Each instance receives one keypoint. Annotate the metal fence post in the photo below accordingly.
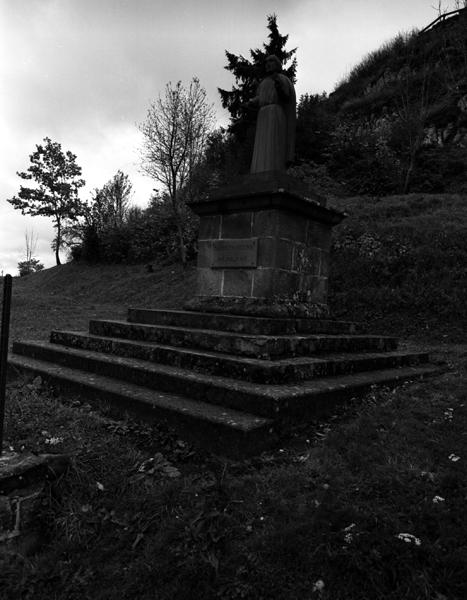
(6, 307)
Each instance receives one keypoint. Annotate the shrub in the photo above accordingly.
(26, 267)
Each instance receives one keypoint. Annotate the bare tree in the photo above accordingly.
(175, 135)
(30, 264)
(30, 238)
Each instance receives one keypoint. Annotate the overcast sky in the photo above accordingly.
(83, 73)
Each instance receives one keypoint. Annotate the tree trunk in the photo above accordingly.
(181, 242)
(58, 240)
(408, 176)
(178, 221)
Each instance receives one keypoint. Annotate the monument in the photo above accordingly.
(275, 128)
(255, 348)
(264, 241)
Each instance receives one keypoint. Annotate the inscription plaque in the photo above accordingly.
(234, 253)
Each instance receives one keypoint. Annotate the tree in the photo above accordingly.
(248, 73)
(175, 134)
(115, 198)
(315, 123)
(56, 196)
(31, 264)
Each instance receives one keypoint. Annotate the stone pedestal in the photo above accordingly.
(264, 249)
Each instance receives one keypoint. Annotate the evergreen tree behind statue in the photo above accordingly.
(248, 74)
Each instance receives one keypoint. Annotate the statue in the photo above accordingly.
(275, 128)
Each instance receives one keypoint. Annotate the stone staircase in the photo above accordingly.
(223, 381)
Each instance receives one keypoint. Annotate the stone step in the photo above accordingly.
(239, 324)
(266, 400)
(249, 369)
(256, 346)
(218, 429)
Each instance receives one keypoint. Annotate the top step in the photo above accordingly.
(240, 324)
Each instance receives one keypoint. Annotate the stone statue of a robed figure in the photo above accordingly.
(275, 128)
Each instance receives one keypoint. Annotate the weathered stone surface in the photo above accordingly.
(237, 225)
(239, 323)
(209, 282)
(265, 223)
(237, 283)
(20, 470)
(240, 382)
(205, 254)
(217, 428)
(210, 421)
(291, 226)
(209, 227)
(284, 255)
(243, 344)
(23, 483)
(234, 253)
(272, 307)
(293, 234)
(268, 198)
(202, 361)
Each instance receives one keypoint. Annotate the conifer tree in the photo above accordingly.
(249, 72)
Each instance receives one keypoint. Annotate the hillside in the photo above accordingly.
(399, 264)
(398, 121)
(67, 296)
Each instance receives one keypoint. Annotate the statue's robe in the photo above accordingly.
(275, 127)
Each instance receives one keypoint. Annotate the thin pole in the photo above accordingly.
(6, 307)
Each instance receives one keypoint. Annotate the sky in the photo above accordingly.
(83, 72)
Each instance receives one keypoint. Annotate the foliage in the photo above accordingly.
(315, 125)
(26, 267)
(175, 135)
(360, 156)
(145, 235)
(110, 205)
(248, 73)
(397, 120)
(56, 195)
(397, 262)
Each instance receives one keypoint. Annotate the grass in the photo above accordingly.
(67, 296)
(399, 264)
(329, 505)
(143, 515)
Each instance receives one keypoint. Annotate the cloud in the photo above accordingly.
(83, 72)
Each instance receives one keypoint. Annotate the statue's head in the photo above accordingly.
(272, 64)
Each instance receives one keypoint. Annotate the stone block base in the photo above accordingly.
(259, 307)
(264, 250)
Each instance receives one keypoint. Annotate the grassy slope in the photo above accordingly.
(400, 265)
(68, 296)
(327, 506)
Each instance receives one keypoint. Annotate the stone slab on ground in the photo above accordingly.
(217, 428)
(259, 346)
(240, 323)
(218, 401)
(23, 482)
(143, 361)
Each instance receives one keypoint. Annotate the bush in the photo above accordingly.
(26, 267)
(145, 235)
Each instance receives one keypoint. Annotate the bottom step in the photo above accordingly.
(218, 429)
